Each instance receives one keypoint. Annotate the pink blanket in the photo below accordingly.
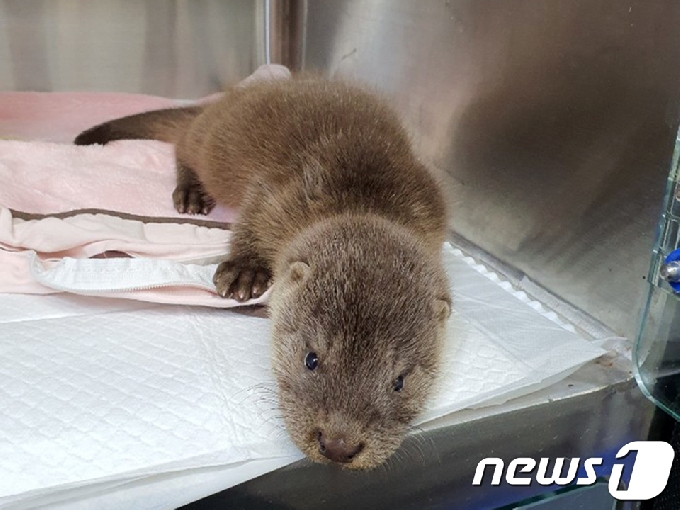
(131, 176)
(60, 116)
(60, 202)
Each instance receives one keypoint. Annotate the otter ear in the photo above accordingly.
(297, 272)
(442, 308)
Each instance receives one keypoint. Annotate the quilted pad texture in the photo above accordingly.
(98, 393)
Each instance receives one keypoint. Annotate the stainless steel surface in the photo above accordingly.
(554, 119)
(170, 48)
(286, 22)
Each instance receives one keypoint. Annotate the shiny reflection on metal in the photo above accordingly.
(267, 32)
(555, 121)
(670, 272)
(169, 48)
(287, 28)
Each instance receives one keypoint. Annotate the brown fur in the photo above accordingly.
(336, 209)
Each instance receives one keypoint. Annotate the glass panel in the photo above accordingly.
(657, 351)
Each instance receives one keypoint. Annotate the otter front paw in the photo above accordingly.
(241, 280)
(192, 199)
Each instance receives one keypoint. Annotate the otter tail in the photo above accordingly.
(164, 125)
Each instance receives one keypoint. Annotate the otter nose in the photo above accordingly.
(337, 449)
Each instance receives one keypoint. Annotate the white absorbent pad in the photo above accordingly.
(103, 393)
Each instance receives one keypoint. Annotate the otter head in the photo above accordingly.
(358, 311)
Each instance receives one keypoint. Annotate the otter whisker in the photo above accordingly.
(384, 467)
(390, 464)
(255, 391)
(414, 448)
(272, 420)
(424, 443)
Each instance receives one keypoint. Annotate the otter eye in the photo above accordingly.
(398, 383)
(311, 360)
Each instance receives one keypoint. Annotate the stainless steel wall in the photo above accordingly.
(173, 48)
(555, 119)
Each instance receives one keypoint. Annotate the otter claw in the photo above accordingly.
(241, 281)
(192, 200)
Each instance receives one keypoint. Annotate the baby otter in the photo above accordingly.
(337, 212)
